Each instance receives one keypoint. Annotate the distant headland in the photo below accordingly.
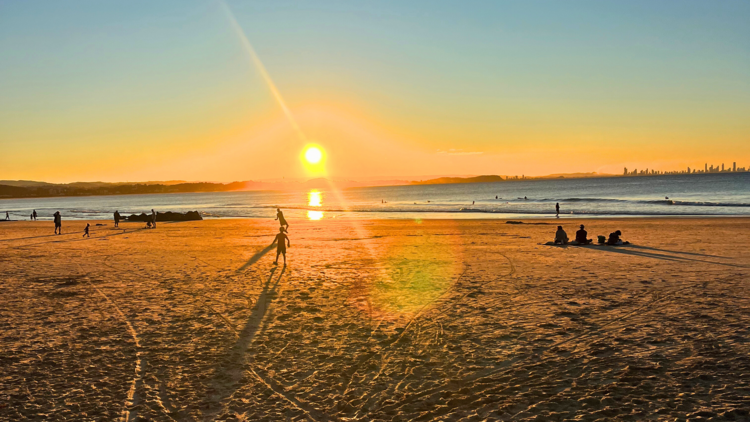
(32, 189)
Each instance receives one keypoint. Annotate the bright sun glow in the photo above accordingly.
(313, 155)
(313, 158)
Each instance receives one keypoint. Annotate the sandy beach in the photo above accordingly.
(375, 320)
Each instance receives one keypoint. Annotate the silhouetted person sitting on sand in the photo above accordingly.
(148, 224)
(614, 239)
(153, 217)
(282, 241)
(561, 238)
(34, 215)
(117, 218)
(86, 230)
(282, 220)
(582, 237)
(58, 222)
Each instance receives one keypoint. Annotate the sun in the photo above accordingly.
(313, 155)
(313, 158)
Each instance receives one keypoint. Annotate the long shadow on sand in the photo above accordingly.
(258, 255)
(119, 232)
(623, 250)
(675, 252)
(35, 237)
(232, 368)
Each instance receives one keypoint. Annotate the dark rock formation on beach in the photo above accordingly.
(167, 216)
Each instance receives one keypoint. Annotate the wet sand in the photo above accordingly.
(375, 320)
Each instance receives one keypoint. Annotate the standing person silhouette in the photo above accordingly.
(557, 209)
(58, 222)
(34, 214)
(117, 218)
(282, 241)
(153, 218)
(282, 220)
(86, 230)
(7, 216)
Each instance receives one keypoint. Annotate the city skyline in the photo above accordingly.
(689, 170)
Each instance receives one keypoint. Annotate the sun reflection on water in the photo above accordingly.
(314, 199)
(315, 215)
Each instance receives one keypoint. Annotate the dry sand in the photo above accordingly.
(375, 320)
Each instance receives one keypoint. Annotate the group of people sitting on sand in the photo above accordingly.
(561, 238)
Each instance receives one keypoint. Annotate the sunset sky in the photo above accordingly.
(164, 90)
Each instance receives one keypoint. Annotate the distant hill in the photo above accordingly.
(39, 189)
(24, 183)
(454, 180)
(32, 189)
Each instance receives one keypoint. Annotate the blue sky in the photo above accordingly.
(637, 82)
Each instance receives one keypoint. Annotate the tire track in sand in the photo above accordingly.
(133, 398)
(414, 322)
(257, 323)
(486, 375)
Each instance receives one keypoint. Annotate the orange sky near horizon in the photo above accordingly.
(202, 109)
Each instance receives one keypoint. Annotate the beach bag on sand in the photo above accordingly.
(602, 239)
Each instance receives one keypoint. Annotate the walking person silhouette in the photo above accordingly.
(557, 209)
(282, 241)
(58, 222)
(282, 221)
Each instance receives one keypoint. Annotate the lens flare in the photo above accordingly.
(313, 155)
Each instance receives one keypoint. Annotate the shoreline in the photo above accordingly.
(509, 219)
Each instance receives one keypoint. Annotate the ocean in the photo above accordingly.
(723, 194)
